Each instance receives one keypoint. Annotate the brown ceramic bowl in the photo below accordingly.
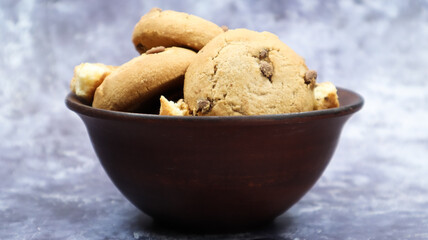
(221, 172)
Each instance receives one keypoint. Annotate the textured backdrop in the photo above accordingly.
(52, 186)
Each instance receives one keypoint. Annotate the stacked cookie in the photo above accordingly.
(219, 72)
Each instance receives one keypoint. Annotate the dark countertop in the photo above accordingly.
(53, 187)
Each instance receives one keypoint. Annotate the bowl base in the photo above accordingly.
(209, 227)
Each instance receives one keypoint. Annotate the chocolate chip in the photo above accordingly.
(225, 28)
(141, 48)
(310, 77)
(266, 68)
(264, 53)
(155, 50)
(203, 106)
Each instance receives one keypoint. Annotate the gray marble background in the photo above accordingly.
(376, 186)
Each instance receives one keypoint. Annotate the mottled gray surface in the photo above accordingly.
(376, 186)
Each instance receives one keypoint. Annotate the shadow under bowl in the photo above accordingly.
(215, 172)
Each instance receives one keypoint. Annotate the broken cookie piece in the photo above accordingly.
(87, 77)
(169, 108)
(325, 96)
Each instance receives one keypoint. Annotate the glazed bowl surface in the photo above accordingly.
(215, 172)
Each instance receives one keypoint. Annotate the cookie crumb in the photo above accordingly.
(325, 94)
(155, 50)
(203, 106)
(311, 77)
(225, 28)
(266, 68)
(264, 53)
(170, 108)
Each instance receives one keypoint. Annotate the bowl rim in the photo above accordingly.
(77, 105)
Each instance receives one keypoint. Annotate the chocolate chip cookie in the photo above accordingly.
(243, 72)
(170, 28)
(143, 78)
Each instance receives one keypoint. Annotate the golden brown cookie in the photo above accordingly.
(87, 77)
(171, 108)
(171, 28)
(325, 96)
(243, 72)
(143, 78)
